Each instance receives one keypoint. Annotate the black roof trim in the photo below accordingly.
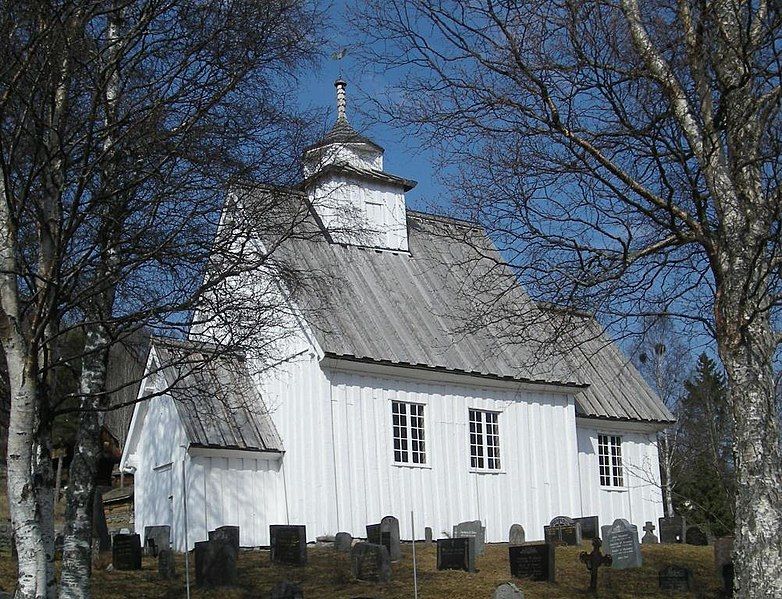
(427, 367)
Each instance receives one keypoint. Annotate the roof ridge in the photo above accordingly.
(444, 218)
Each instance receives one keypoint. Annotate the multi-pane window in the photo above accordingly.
(409, 442)
(609, 451)
(484, 440)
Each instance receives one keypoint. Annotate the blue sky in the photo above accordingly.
(403, 157)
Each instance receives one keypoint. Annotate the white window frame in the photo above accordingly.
(408, 442)
(485, 446)
(609, 461)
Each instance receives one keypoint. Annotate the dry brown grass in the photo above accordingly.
(328, 576)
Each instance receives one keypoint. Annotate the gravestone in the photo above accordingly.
(671, 529)
(100, 530)
(534, 561)
(456, 554)
(371, 562)
(286, 590)
(6, 538)
(473, 530)
(649, 537)
(377, 536)
(696, 536)
(390, 524)
(723, 562)
(156, 538)
(215, 563)
(516, 536)
(727, 578)
(343, 542)
(675, 578)
(590, 527)
(166, 568)
(428, 534)
(507, 590)
(126, 552)
(594, 561)
(563, 531)
(229, 534)
(621, 543)
(288, 544)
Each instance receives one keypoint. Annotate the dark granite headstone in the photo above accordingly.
(377, 536)
(369, 561)
(100, 530)
(723, 561)
(156, 538)
(727, 578)
(343, 542)
(533, 560)
(456, 554)
(288, 544)
(166, 567)
(649, 537)
(675, 578)
(229, 534)
(286, 590)
(621, 543)
(390, 524)
(126, 552)
(428, 534)
(696, 536)
(671, 529)
(507, 590)
(473, 530)
(563, 531)
(6, 537)
(215, 563)
(590, 527)
(517, 536)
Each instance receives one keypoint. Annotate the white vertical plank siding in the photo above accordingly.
(537, 444)
(641, 499)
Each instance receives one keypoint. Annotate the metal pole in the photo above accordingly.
(415, 571)
(184, 505)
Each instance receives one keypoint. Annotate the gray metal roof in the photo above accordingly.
(425, 308)
(342, 132)
(616, 389)
(216, 398)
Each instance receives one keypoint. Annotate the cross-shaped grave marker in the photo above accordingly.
(593, 561)
(649, 537)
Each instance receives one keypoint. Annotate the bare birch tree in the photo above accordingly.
(625, 156)
(664, 360)
(124, 123)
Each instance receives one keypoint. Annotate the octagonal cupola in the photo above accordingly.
(355, 199)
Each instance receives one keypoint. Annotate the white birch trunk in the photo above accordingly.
(747, 350)
(22, 374)
(77, 548)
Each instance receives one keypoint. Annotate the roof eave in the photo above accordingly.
(455, 371)
(378, 176)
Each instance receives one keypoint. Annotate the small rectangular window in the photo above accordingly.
(609, 451)
(408, 430)
(484, 440)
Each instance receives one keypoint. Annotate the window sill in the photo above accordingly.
(403, 465)
(485, 471)
(614, 489)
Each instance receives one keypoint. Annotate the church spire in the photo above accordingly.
(341, 99)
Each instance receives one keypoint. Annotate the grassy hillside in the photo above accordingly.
(328, 576)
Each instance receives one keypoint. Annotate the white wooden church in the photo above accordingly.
(397, 394)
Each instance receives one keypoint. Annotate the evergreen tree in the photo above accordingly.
(705, 477)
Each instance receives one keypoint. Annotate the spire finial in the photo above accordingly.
(341, 99)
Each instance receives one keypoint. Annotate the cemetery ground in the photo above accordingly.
(327, 575)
